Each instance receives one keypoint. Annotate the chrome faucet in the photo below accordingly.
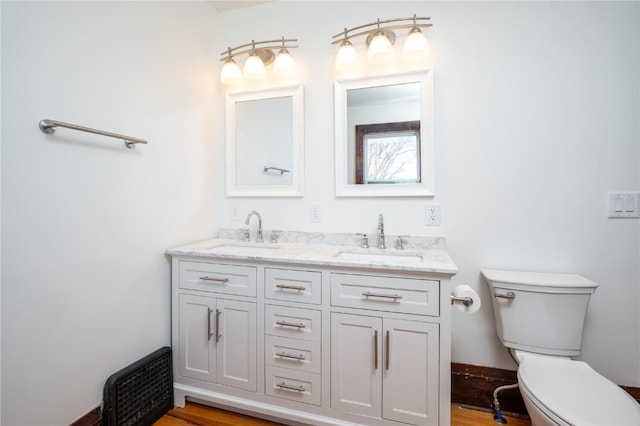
(381, 244)
(259, 238)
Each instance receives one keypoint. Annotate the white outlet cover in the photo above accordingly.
(432, 215)
(314, 213)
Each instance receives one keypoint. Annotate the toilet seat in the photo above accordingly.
(575, 393)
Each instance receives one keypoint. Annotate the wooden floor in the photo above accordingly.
(199, 415)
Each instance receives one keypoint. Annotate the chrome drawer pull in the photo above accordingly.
(218, 335)
(509, 295)
(290, 324)
(286, 355)
(209, 333)
(375, 345)
(388, 296)
(283, 385)
(386, 361)
(291, 287)
(214, 279)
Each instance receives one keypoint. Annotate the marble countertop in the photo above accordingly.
(429, 257)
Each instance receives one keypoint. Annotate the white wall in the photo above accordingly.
(536, 111)
(85, 221)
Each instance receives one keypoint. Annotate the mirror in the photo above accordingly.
(384, 136)
(264, 143)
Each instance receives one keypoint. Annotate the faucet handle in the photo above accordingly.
(274, 236)
(243, 234)
(365, 240)
(400, 242)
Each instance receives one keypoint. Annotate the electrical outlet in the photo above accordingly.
(234, 214)
(432, 215)
(314, 213)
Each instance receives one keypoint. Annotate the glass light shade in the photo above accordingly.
(347, 57)
(380, 50)
(416, 46)
(283, 66)
(254, 68)
(230, 73)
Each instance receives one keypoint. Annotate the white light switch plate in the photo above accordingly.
(622, 205)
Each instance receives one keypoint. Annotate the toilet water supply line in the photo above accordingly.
(496, 404)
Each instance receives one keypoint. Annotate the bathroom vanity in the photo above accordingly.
(314, 333)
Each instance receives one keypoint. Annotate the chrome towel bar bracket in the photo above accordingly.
(49, 126)
(278, 169)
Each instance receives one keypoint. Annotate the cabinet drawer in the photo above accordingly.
(404, 295)
(293, 385)
(291, 285)
(302, 355)
(292, 322)
(219, 278)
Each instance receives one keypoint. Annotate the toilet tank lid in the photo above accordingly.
(541, 279)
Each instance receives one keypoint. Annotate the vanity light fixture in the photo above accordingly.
(260, 54)
(380, 40)
(380, 48)
(347, 57)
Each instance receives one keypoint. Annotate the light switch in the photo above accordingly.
(618, 204)
(629, 205)
(623, 205)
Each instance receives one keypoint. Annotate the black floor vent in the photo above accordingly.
(141, 393)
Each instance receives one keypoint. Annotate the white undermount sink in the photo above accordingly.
(380, 257)
(244, 249)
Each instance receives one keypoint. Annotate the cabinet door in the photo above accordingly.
(197, 350)
(236, 344)
(410, 384)
(356, 364)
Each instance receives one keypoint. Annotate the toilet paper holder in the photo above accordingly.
(466, 301)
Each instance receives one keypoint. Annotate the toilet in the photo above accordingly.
(540, 317)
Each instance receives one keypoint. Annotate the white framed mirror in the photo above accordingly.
(384, 144)
(264, 143)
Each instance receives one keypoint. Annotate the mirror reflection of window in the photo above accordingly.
(388, 153)
(391, 158)
(370, 106)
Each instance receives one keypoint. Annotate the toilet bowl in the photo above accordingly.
(540, 318)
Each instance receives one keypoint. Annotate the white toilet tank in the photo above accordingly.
(540, 312)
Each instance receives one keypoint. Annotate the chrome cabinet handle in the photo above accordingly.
(386, 355)
(209, 333)
(289, 356)
(285, 386)
(375, 343)
(388, 296)
(291, 287)
(509, 295)
(218, 313)
(214, 279)
(290, 324)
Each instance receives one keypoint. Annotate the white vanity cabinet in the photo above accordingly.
(312, 343)
(382, 366)
(385, 368)
(216, 333)
(217, 341)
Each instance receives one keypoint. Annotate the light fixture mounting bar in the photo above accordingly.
(253, 46)
(410, 23)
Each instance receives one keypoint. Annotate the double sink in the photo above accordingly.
(371, 255)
